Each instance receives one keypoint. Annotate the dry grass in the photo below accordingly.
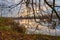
(17, 33)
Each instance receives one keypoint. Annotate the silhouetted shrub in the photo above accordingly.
(19, 28)
(9, 23)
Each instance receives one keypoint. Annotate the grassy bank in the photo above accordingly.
(9, 30)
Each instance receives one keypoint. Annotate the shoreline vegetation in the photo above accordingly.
(10, 30)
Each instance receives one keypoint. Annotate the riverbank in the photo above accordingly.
(7, 33)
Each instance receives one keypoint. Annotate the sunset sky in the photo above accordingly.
(5, 12)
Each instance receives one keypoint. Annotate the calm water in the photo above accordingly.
(32, 23)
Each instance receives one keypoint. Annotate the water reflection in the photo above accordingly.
(54, 24)
(43, 27)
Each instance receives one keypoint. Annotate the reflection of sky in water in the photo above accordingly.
(58, 27)
(57, 8)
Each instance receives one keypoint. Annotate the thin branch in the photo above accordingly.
(52, 9)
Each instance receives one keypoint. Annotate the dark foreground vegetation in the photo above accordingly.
(10, 30)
